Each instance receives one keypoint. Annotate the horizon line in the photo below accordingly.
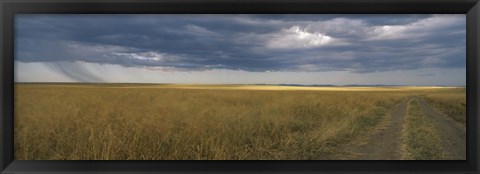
(271, 84)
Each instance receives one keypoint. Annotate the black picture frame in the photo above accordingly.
(9, 8)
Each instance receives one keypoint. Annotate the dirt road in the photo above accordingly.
(452, 135)
(385, 141)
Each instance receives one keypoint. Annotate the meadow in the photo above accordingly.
(208, 122)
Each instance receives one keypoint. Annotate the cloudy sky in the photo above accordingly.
(242, 49)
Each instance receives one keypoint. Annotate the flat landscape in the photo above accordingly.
(69, 121)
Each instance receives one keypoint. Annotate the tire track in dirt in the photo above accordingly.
(453, 136)
(385, 141)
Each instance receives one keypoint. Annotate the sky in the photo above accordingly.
(400, 49)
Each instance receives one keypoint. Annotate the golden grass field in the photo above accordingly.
(197, 122)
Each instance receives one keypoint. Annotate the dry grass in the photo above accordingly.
(115, 123)
(451, 103)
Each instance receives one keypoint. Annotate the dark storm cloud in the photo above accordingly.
(355, 43)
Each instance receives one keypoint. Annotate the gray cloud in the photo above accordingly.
(355, 43)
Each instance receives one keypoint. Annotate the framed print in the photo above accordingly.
(239, 86)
